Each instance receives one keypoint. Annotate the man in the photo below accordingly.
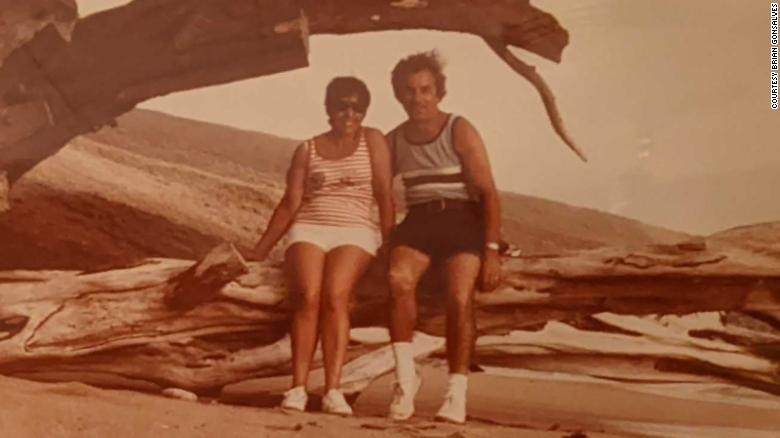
(453, 223)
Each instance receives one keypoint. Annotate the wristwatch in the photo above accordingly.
(492, 245)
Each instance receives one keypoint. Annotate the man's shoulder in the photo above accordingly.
(395, 130)
(460, 121)
(462, 125)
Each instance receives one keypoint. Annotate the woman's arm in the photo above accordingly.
(288, 206)
(382, 180)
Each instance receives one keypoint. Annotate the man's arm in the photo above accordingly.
(390, 140)
(476, 169)
(382, 181)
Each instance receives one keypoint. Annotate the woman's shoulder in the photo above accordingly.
(373, 135)
(302, 147)
(371, 132)
(301, 152)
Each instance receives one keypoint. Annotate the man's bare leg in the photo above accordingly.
(407, 267)
(460, 275)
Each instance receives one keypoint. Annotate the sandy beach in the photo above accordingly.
(500, 406)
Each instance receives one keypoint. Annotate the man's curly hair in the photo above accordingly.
(430, 60)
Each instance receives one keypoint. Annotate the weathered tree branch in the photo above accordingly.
(121, 323)
(20, 21)
(529, 72)
(52, 89)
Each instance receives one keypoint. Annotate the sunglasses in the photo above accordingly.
(343, 105)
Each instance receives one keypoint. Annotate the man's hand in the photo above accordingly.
(491, 270)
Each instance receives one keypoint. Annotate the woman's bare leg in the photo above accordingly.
(343, 268)
(304, 263)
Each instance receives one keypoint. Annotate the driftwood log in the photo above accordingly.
(61, 77)
(201, 326)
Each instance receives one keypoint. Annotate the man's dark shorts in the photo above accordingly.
(442, 232)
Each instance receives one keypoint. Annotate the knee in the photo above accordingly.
(402, 284)
(461, 301)
(335, 300)
(307, 300)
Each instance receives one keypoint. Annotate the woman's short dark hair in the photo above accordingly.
(416, 63)
(346, 86)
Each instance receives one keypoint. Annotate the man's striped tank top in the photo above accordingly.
(430, 171)
(338, 192)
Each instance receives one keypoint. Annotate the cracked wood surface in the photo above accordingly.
(121, 321)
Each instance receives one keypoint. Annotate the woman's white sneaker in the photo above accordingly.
(295, 399)
(402, 406)
(335, 403)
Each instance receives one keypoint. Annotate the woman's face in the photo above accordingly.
(346, 114)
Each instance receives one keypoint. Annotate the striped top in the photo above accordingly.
(430, 171)
(338, 192)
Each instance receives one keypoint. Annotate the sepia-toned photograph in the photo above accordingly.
(389, 218)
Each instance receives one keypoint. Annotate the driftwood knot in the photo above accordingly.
(203, 281)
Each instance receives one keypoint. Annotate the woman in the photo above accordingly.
(333, 182)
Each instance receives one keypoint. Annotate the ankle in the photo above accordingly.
(457, 384)
(404, 361)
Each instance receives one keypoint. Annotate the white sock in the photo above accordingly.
(404, 361)
(458, 383)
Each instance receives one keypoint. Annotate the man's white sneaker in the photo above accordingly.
(295, 399)
(453, 410)
(335, 403)
(402, 406)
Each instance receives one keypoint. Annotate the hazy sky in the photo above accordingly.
(654, 92)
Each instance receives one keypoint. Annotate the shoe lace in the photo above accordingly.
(398, 393)
(337, 398)
(294, 394)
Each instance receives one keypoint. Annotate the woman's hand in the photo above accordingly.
(253, 254)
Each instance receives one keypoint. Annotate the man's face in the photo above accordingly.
(419, 96)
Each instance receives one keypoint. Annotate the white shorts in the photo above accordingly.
(329, 237)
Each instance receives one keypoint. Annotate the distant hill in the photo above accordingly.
(202, 145)
(762, 238)
(705, 202)
(158, 185)
(536, 224)
(94, 205)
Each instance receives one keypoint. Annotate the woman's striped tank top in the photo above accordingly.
(339, 192)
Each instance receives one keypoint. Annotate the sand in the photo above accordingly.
(499, 406)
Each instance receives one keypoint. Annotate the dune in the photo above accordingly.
(162, 186)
